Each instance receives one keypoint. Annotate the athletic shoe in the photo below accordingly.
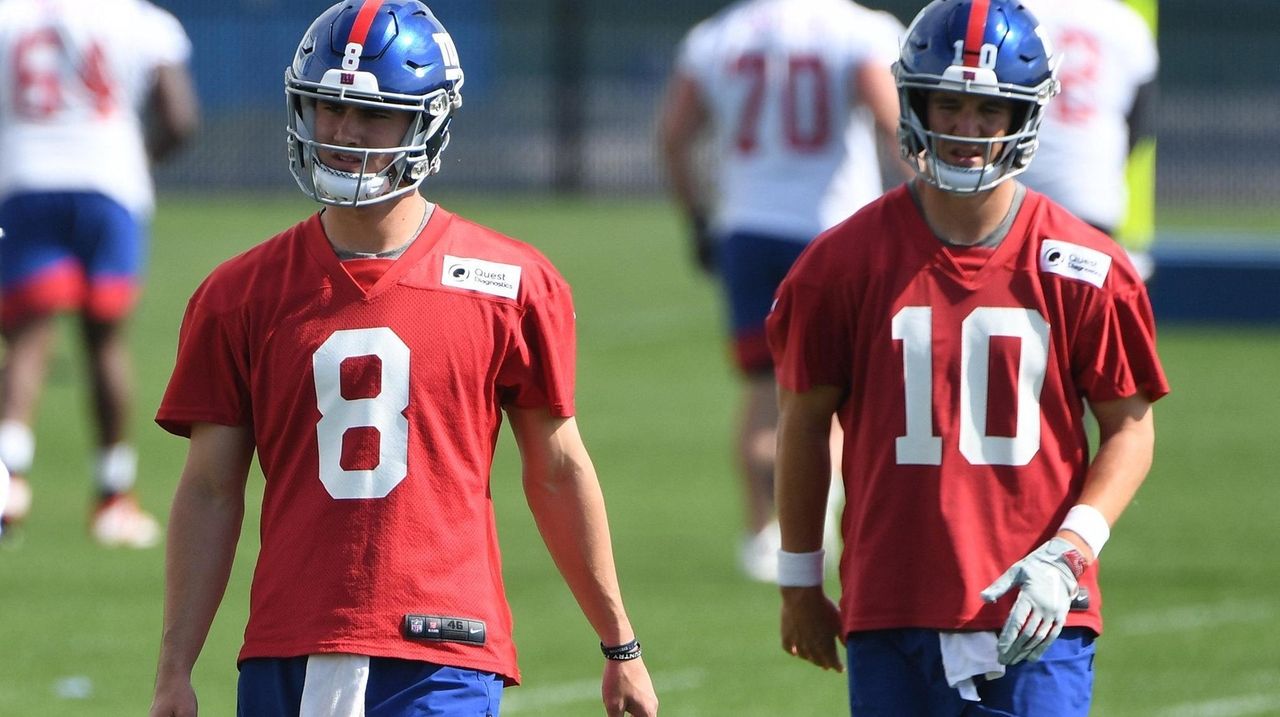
(119, 522)
(18, 505)
(758, 555)
(832, 532)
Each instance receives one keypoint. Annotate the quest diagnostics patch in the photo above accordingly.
(488, 277)
(1074, 261)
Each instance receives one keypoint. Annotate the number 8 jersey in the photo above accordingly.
(966, 371)
(374, 390)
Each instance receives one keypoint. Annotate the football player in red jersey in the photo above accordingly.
(367, 355)
(959, 327)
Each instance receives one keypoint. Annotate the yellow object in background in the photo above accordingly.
(1139, 227)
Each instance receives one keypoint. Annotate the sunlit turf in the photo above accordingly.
(1190, 575)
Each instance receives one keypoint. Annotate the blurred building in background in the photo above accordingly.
(562, 94)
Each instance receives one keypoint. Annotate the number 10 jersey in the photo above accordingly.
(966, 373)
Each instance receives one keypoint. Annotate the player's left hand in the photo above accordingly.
(1048, 579)
(627, 689)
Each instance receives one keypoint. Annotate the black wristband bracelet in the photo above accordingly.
(623, 652)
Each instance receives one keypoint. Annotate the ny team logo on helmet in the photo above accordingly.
(984, 47)
(385, 54)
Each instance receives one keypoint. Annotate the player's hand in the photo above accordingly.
(174, 699)
(1047, 580)
(627, 689)
(705, 249)
(811, 627)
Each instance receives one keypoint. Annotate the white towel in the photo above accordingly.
(966, 655)
(335, 686)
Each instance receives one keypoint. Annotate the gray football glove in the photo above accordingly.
(1048, 582)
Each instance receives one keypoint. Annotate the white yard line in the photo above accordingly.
(1239, 706)
(1192, 617)
(546, 697)
(1202, 617)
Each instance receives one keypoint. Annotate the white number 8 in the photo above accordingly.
(351, 56)
(384, 412)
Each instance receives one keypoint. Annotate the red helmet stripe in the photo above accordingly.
(977, 29)
(364, 20)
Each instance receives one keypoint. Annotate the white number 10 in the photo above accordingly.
(988, 54)
(913, 326)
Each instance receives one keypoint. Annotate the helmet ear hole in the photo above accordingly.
(1021, 113)
(919, 104)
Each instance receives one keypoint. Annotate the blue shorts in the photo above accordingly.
(751, 267)
(69, 251)
(275, 687)
(898, 673)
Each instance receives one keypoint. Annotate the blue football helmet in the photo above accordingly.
(373, 53)
(985, 47)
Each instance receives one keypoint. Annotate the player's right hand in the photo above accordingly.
(174, 699)
(811, 627)
(705, 249)
(166, 708)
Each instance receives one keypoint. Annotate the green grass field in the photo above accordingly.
(1192, 573)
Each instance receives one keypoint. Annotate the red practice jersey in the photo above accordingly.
(966, 377)
(375, 404)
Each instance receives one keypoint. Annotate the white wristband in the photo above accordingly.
(1086, 522)
(800, 570)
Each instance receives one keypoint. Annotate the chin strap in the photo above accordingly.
(348, 186)
(965, 179)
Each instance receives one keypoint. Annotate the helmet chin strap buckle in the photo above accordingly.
(440, 104)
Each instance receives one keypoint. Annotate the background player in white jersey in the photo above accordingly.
(4, 474)
(367, 355)
(1106, 108)
(798, 96)
(78, 84)
(958, 325)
